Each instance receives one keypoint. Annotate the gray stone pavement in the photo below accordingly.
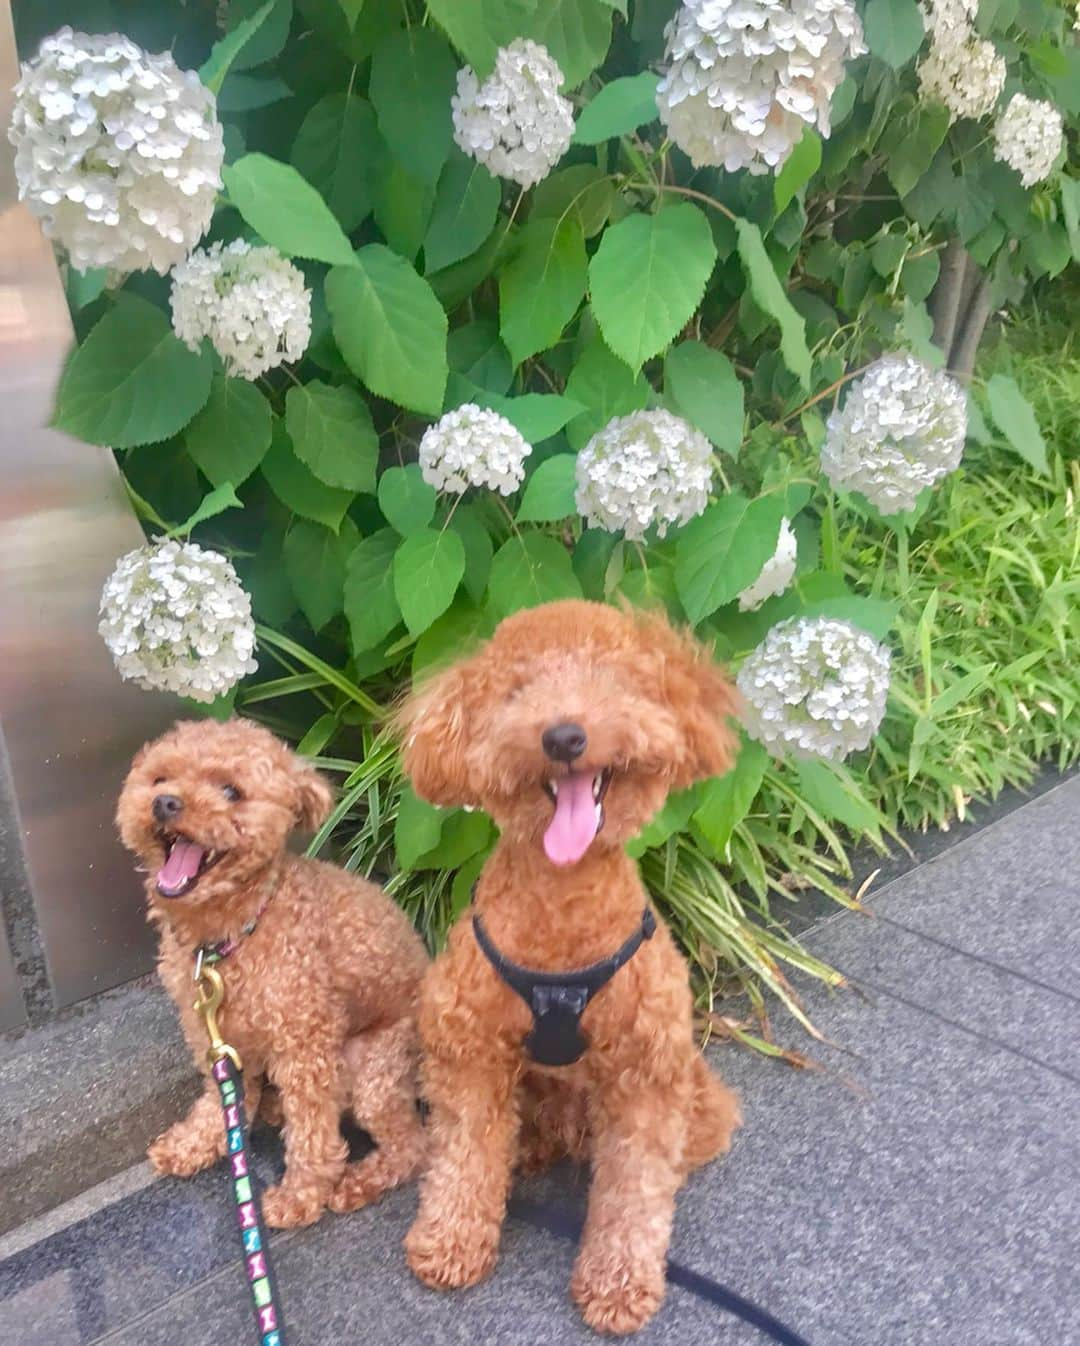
(919, 1189)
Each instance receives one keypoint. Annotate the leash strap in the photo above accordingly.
(257, 1265)
(564, 1225)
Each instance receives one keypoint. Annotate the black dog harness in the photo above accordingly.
(558, 999)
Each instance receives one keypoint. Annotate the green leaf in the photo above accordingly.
(726, 800)
(337, 149)
(770, 296)
(299, 489)
(468, 523)
(224, 52)
(413, 77)
(370, 603)
(450, 636)
(284, 209)
(466, 204)
(406, 499)
(576, 32)
(918, 276)
(83, 287)
(417, 829)
(535, 416)
(1015, 418)
(390, 328)
(479, 27)
(722, 551)
(647, 278)
(315, 564)
(915, 153)
(1070, 209)
(247, 93)
(220, 499)
(583, 189)
(830, 790)
(131, 381)
(228, 438)
(476, 352)
(463, 835)
(403, 206)
(874, 615)
(894, 30)
(541, 286)
(270, 35)
(801, 165)
(607, 387)
(428, 567)
(619, 108)
(530, 569)
(549, 492)
(706, 390)
(332, 432)
(672, 818)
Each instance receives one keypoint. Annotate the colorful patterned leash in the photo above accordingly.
(226, 1068)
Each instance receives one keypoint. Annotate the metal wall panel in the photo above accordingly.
(69, 723)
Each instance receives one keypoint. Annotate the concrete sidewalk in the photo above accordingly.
(919, 1190)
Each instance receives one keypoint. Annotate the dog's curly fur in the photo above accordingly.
(320, 997)
(641, 1104)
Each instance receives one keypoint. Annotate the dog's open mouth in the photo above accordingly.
(185, 864)
(579, 814)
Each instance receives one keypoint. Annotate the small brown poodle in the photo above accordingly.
(569, 727)
(321, 969)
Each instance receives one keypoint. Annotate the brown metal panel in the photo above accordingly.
(69, 723)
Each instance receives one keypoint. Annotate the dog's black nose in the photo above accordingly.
(564, 742)
(166, 807)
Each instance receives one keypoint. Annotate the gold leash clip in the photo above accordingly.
(210, 992)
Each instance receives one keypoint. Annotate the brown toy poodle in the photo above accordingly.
(569, 727)
(321, 969)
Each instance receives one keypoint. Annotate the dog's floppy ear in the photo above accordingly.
(434, 727)
(313, 797)
(700, 695)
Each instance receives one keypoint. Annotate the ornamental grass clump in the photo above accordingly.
(117, 152)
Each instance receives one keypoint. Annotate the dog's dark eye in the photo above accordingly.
(231, 793)
(159, 780)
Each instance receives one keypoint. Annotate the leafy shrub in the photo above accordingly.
(628, 308)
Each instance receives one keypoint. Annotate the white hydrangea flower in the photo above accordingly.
(902, 428)
(646, 468)
(746, 76)
(473, 446)
(176, 619)
(776, 574)
(1028, 136)
(815, 687)
(251, 302)
(962, 71)
(516, 123)
(117, 152)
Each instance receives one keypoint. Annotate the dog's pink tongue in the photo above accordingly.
(181, 866)
(571, 831)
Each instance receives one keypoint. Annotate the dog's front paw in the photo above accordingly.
(453, 1254)
(179, 1153)
(616, 1298)
(290, 1207)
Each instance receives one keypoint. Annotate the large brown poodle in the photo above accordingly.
(321, 969)
(569, 727)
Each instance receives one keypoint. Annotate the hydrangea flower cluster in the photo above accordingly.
(176, 619)
(646, 468)
(1028, 136)
(251, 302)
(901, 429)
(473, 446)
(776, 574)
(118, 152)
(516, 123)
(962, 71)
(815, 687)
(746, 76)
